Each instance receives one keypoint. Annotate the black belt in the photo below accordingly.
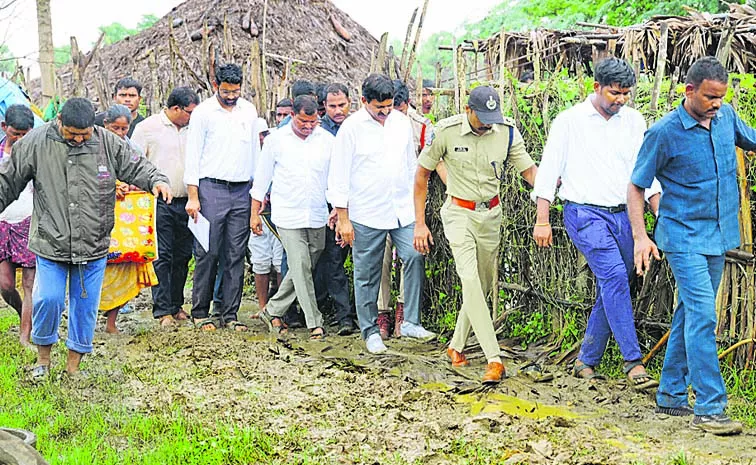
(613, 209)
(224, 182)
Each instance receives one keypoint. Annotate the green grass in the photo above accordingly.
(90, 426)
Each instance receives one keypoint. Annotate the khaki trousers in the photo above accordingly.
(474, 240)
(303, 248)
(384, 295)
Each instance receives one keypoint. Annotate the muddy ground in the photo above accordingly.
(407, 406)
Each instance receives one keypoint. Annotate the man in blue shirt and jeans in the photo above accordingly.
(691, 151)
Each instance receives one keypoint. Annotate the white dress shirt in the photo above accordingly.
(593, 156)
(298, 170)
(164, 145)
(373, 170)
(221, 144)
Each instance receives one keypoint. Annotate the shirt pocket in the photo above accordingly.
(691, 167)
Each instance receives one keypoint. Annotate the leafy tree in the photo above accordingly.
(7, 63)
(62, 55)
(115, 32)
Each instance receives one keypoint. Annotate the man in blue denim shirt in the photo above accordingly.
(691, 151)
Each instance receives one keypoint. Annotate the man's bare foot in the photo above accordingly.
(112, 329)
(181, 315)
(167, 321)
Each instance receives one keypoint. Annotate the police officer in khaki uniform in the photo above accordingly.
(474, 147)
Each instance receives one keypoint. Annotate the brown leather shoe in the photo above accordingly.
(457, 358)
(494, 373)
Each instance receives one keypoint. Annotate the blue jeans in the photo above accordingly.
(606, 241)
(49, 299)
(367, 253)
(691, 356)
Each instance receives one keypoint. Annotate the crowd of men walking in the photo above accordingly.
(296, 197)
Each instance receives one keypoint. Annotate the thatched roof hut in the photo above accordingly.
(730, 36)
(309, 39)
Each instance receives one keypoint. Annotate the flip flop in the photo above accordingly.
(642, 381)
(580, 366)
(39, 373)
(317, 336)
(205, 324)
(268, 319)
(237, 326)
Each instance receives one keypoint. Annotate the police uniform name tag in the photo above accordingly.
(461, 149)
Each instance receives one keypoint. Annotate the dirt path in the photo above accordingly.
(407, 406)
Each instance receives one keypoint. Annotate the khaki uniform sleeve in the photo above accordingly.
(518, 156)
(434, 150)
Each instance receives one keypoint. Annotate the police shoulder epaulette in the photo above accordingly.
(450, 121)
(509, 121)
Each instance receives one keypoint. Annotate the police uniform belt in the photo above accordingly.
(471, 205)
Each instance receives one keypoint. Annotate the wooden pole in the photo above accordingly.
(263, 90)
(411, 59)
(405, 46)
(76, 68)
(502, 64)
(380, 61)
(419, 90)
(172, 55)
(46, 50)
(461, 78)
(661, 65)
(724, 46)
(155, 101)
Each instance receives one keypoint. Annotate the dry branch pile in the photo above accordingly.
(309, 39)
(731, 35)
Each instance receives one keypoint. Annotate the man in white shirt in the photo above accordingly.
(14, 227)
(370, 184)
(295, 159)
(162, 138)
(221, 150)
(592, 147)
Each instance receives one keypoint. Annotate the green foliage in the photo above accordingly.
(75, 426)
(522, 15)
(62, 55)
(7, 63)
(115, 32)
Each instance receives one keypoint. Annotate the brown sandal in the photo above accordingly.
(317, 336)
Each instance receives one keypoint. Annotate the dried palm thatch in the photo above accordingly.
(309, 39)
(729, 36)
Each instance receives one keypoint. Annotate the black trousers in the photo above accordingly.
(174, 242)
(227, 208)
(331, 279)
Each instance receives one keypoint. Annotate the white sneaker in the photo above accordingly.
(375, 344)
(411, 330)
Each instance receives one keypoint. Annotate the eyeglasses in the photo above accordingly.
(229, 93)
(186, 111)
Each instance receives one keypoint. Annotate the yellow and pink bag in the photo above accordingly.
(133, 238)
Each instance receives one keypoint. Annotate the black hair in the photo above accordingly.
(612, 70)
(320, 89)
(182, 97)
(428, 84)
(117, 111)
(128, 83)
(228, 73)
(527, 76)
(77, 113)
(19, 117)
(336, 87)
(302, 87)
(706, 68)
(401, 92)
(377, 87)
(307, 104)
(285, 102)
